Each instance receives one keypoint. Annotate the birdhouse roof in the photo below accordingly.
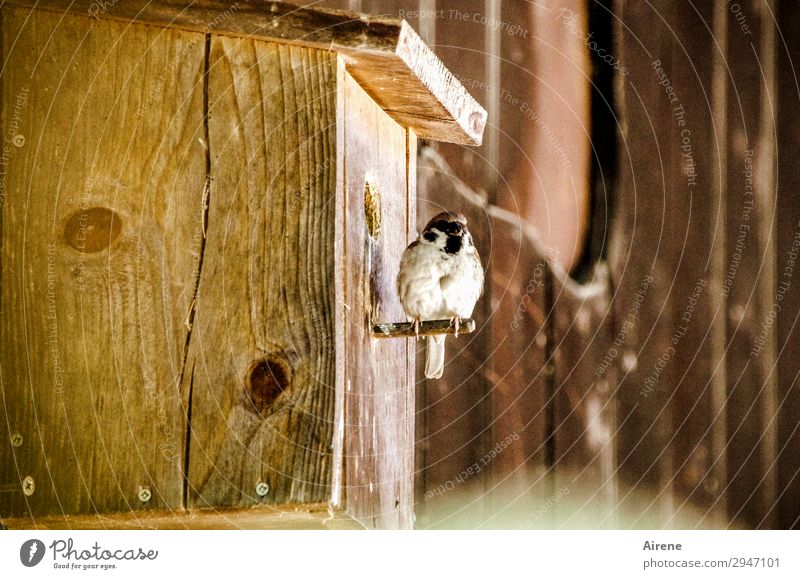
(385, 55)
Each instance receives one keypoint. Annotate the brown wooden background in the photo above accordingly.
(636, 359)
(653, 387)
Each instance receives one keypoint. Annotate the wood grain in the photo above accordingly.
(305, 517)
(377, 406)
(261, 359)
(786, 509)
(747, 285)
(385, 55)
(584, 424)
(697, 233)
(643, 262)
(99, 228)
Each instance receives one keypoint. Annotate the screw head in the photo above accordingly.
(262, 489)
(28, 486)
(16, 440)
(145, 494)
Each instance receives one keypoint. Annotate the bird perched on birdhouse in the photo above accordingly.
(440, 277)
(217, 274)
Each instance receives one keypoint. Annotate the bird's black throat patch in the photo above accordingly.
(453, 244)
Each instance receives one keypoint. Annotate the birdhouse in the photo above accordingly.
(203, 213)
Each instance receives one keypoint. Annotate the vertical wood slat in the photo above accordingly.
(457, 431)
(643, 264)
(768, 192)
(378, 401)
(518, 321)
(749, 272)
(697, 234)
(261, 357)
(785, 512)
(93, 307)
(546, 109)
(584, 423)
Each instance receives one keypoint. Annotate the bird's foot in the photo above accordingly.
(456, 322)
(415, 325)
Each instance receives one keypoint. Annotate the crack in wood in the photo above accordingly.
(206, 203)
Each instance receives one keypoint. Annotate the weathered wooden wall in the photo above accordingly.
(659, 391)
(706, 395)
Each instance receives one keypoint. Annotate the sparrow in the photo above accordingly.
(440, 277)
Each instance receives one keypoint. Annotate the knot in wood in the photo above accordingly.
(92, 230)
(266, 381)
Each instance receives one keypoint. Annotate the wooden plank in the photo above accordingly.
(305, 517)
(102, 191)
(419, 91)
(384, 55)
(276, 21)
(375, 188)
(749, 273)
(261, 358)
(697, 232)
(519, 364)
(643, 261)
(785, 511)
(584, 425)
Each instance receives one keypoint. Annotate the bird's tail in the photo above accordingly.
(434, 361)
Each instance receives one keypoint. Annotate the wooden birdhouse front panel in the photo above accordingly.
(102, 232)
(200, 226)
(262, 351)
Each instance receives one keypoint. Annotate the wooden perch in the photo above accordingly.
(385, 55)
(429, 328)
